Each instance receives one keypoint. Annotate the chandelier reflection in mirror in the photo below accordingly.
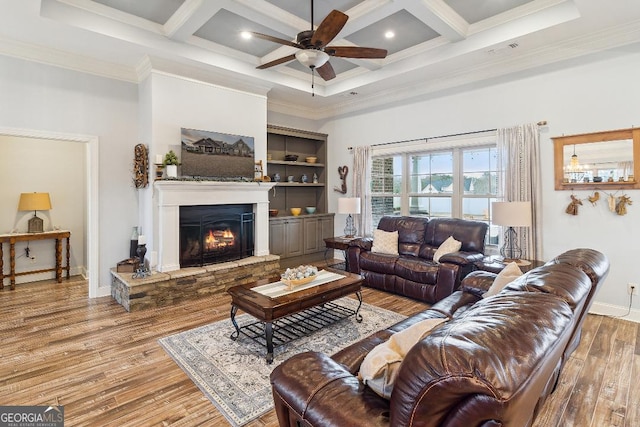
(574, 171)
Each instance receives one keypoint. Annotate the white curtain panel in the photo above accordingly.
(519, 180)
(362, 189)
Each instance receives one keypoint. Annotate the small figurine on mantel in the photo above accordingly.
(572, 209)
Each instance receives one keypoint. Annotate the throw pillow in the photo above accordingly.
(506, 276)
(385, 242)
(380, 367)
(448, 246)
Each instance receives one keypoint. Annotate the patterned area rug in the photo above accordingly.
(234, 374)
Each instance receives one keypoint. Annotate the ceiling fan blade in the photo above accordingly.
(329, 28)
(356, 52)
(276, 39)
(277, 62)
(326, 71)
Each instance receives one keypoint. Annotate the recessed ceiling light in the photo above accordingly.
(245, 35)
(389, 34)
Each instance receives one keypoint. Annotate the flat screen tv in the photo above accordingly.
(216, 155)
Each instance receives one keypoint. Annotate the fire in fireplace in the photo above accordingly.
(215, 233)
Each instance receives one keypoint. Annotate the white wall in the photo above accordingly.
(601, 95)
(49, 99)
(169, 103)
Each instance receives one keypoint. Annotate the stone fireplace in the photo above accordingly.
(243, 210)
(170, 197)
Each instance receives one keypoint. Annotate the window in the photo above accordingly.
(459, 182)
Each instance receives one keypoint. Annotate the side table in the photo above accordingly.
(494, 265)
(341, 243)
(57, 235)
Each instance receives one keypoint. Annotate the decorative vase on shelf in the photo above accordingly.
(172, 171)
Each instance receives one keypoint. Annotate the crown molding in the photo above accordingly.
(69, 61)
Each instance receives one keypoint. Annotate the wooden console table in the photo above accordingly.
(58, 235)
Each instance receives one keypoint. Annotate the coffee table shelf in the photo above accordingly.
(300, 324)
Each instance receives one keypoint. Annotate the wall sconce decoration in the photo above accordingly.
(342, 171)
(140, 166)
(35, 202)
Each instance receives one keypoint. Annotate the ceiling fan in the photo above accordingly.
(314, 52)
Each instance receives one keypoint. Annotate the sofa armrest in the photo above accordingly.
(478, 282)
(462, 258)
(310, 386)
(364, 243)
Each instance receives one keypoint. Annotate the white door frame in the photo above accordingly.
(91, 170)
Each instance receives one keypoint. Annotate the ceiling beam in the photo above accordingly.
(189, 17)
(440, 17)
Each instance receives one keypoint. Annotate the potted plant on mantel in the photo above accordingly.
(171, 164)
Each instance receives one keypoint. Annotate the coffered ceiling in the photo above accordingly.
(436, 44)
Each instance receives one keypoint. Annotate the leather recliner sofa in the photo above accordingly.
(413, 273)
(492, 363)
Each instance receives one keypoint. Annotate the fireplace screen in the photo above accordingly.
(211, 234)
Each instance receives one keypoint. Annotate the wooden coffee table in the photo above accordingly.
(282, 319)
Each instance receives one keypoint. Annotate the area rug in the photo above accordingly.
(234, 375)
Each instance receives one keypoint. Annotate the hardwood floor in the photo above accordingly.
(106, 367)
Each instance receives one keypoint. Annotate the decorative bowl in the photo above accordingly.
(311, 159)
(300, 275)
(310, 209)
(295, 211)
(597, 179)
(298, 282)
(273, 212)
(291, 157)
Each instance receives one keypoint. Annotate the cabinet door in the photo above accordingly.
(325, 225)
(311, 235)
(277, 237)
(294, 238)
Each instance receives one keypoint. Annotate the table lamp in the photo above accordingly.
(35, 202)
(511, 214)
(349, 205)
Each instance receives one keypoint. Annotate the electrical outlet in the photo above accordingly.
(632, 288)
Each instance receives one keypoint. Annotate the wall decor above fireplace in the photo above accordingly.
(206, 154)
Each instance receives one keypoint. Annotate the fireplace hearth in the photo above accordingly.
(211, 234)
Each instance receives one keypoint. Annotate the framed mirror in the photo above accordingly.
(589, 161)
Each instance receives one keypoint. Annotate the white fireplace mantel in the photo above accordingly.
(169, 195)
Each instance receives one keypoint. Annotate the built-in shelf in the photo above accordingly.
(286, 163)
(299, 184)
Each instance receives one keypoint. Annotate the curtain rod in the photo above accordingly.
(540, 123)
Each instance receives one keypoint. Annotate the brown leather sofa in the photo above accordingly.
(493, 363)
(413, 273)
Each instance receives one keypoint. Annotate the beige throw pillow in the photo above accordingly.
(448, 246)
(506, 276)
(380, 367)
(385, 242)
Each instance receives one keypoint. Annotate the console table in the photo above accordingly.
(58, 235)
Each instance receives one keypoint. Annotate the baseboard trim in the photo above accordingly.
(615, 311)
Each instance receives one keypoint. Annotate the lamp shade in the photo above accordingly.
(511, 214)
(349, 205)
(34, 202)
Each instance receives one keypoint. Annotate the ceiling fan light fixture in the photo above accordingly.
(312, 58)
